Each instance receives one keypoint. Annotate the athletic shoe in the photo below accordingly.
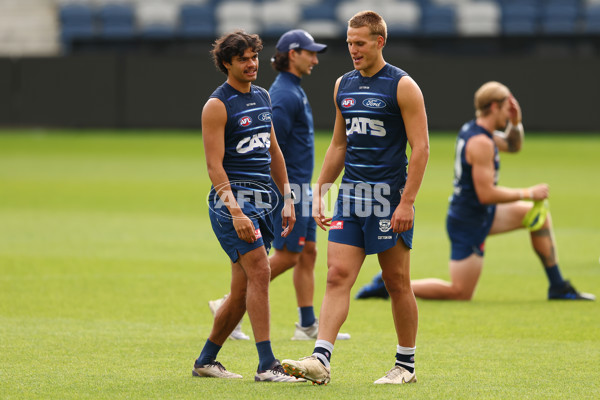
(568, 292)
(397, 376)
(213, 369)
(536, 216)
(237, 333)
(276, 374)
(374, 289)
(308, 368)
(311, 332)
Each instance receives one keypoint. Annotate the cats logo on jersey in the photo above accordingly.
(257, 140)
(365, 126)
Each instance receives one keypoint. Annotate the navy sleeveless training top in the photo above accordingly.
(375, 132)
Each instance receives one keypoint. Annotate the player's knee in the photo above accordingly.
(309, 256)
(462, 293)
(259, 273)
(337, 275)
(396, 282)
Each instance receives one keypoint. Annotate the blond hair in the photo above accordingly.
(488, 93)
(371, 20)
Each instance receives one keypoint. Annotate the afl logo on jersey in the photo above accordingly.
(265, 117)
(245, 121)
(348, 102)
(373, 103)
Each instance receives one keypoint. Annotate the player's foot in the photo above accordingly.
(310, 332)
(276, 374)
(536, 216)
(213, 369)
(308, 368)
(568, 292)
(397, 376)
(374, 289)
(237, 333)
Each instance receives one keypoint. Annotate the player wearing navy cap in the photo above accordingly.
(242, 155)
(296, 57)
(379, 110)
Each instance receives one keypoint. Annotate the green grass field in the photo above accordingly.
(107, 261)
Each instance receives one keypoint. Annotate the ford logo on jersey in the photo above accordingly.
(348, 102)
(245, 121)
(373, 103)
(265, 117)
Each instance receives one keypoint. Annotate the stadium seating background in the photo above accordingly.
(144, 63)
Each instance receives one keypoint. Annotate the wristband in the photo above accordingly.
(289, 195)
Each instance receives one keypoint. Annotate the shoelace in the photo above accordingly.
(278, 369)
(218, 365)
(394, 372)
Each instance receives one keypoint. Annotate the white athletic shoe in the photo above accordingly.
(214, 369)
(310, 332)
(397, 376)
(276, 374)
(237, 333)
(308, 368)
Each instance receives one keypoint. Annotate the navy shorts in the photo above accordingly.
(305, 228)
(468, 238)
(230, 241)
(372, 233)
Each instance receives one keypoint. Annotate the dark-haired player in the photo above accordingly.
(241, 155)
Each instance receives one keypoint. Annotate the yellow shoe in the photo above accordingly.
(535, 218)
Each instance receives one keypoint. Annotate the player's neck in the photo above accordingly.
(243, 87)
(373, 69)
(486, 123)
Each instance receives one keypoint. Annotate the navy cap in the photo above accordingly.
(299, 39)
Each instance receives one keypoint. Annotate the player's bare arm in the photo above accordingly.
(280, 177)
(511, 139)
(214, 117)
(480, 154)
(412, 106)
(333, 164)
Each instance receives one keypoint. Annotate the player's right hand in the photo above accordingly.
(245, 228)
(540, 191)
(318, 206)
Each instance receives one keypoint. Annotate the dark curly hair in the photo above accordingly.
(234, 44)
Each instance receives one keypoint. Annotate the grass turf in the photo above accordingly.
(107, 261)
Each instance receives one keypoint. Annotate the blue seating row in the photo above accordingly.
(198, 20)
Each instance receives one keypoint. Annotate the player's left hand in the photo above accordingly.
(288, 218)
(403, 218)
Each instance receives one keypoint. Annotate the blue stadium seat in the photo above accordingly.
(117, 21)
(76, 22)
(320, 11)
(591, 20)
(560, 18)
(438, 20)
(402, 18)
(519, 19)
(157, 20)
(197, 21)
